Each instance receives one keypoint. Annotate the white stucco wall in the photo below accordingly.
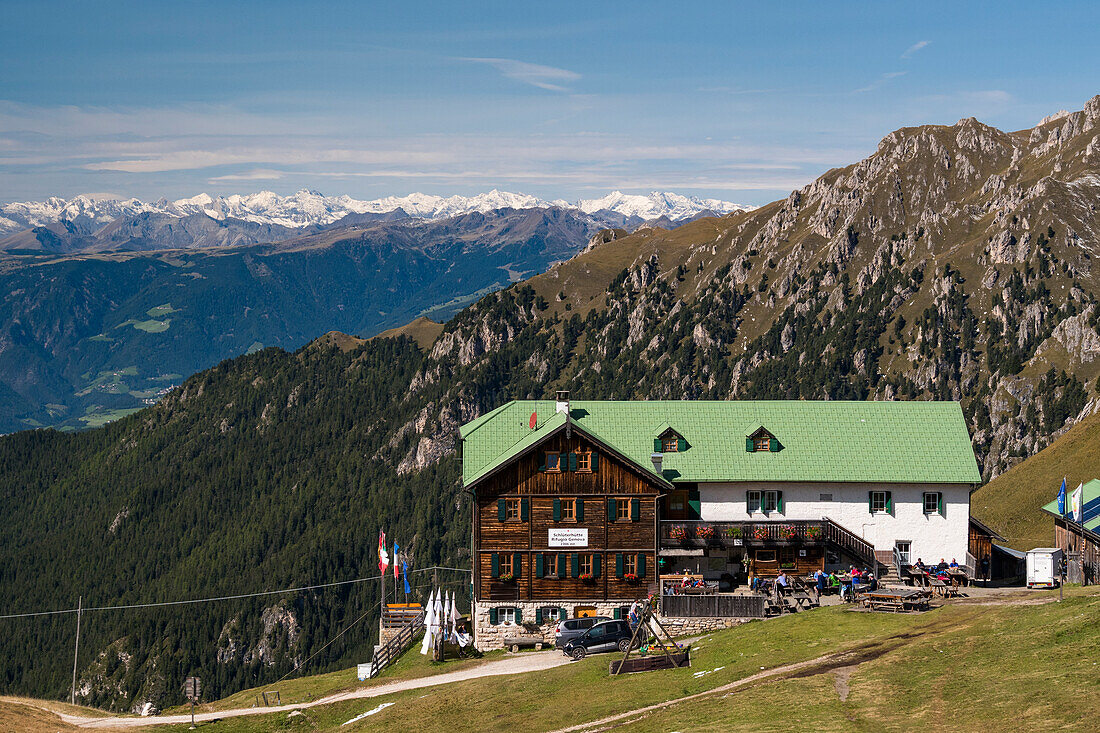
(932, 536)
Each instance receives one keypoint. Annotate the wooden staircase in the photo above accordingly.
(848, 542)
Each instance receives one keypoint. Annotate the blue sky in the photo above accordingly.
(563, 100)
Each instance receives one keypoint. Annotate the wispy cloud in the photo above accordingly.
(879, 81)
(914, 48)
(550, 78)
(256, 174)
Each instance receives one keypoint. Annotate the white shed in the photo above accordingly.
(1043, 567)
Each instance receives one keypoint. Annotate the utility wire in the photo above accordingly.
(216, 598)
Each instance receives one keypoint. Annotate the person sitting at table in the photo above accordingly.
(834, 582)
(871, 580)
(954, 564)
(920, 566)
(819, 585)
(686, 581)
(780, 584)
(942, 566)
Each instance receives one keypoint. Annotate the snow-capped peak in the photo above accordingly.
(310, 208)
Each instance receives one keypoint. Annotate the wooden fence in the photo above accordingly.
(717, 605)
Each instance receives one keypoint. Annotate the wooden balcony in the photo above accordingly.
(694, 533)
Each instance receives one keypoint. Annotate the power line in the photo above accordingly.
(192, 601)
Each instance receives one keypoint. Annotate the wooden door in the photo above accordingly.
(676, 505)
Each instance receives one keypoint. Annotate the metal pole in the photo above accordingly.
(76, 649)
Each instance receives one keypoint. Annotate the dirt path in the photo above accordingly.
(520, 664)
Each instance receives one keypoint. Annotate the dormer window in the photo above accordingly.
(761, 441)
(669, 442)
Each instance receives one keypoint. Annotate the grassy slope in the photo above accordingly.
(1011, 502)
(423, 331)
(963, 667)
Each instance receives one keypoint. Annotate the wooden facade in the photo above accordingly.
(1079, 547)
(517, 506)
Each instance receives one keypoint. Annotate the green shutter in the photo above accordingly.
(889, 502)
(494, 619)
(494, 572)
(502, 510)
(612, 510)
(596, 565)
(773, 445)
(572, 461)
(618, 564)
(563, 558)
(635, 509)
(524, 508)
(681, 445)
(779, 501)
(557, 510)
(618, 614)
(641, 564)
(748, 445)
(576, 563)
(519, 615)
(693, 503)
(595, 461)
(538, 616)
(517, 563)
(580, 509)
(539, 566)
(542, 461)
(939, 504)
(561, 614)
(656, 445)
(871, 502)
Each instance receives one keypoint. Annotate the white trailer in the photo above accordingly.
(1043, 567)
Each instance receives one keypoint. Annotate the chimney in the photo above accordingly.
(561, 403)
(657, 458)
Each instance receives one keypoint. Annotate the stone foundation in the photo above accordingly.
(488, 636)
(699, 625)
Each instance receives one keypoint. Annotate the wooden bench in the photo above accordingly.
(516, 641)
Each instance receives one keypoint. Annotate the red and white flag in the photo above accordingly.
(383, 556)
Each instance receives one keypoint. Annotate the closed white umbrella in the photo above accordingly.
(429, 613)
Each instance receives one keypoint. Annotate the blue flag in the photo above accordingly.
(1062, 498)
(405, 575)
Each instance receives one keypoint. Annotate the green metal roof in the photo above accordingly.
(1090, 504)
(892, 442)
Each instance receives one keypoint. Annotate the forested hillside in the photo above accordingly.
(954, 263)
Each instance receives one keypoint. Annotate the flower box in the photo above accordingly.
(814, 533)
(731, 533)
(631, 578)
(705, 532)
(507, 578)
(588, 578)
(760, 533)
(678, 533)
(789, 532)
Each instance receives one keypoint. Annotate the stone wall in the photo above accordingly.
(488, 636)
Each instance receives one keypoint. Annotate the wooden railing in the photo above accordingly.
(695, 533)
(849, 542)
(396, 615)
(393, 648)
(721, 605)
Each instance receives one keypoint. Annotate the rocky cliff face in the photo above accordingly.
(953, 263)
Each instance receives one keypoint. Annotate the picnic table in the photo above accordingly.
(958, 577)
(802, 599)
(900, 599)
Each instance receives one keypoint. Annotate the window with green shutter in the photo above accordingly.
(773, 445)
(562, 614)
(618, 564)
(563, 559)
(572, 461)
(494, 565)
(681, 445)
(635, 509)
(494, 618)
(538, 617)
(612, 510)
(656, 445)
(575, 562)
(524, 509)
(557, 510)
(596, 565)
(749, 447)
(580, 509)
(517, 563)
(539, 565)
(519, 615)
(502, 510)
(595, 461)
(641, 564)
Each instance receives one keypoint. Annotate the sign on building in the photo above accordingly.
(568, 538)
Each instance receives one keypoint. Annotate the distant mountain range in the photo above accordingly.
(312, 209)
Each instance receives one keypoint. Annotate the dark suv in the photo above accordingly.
(571, 628)
(603, 637)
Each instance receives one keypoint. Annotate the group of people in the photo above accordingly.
(856, 578)
(940, 570)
